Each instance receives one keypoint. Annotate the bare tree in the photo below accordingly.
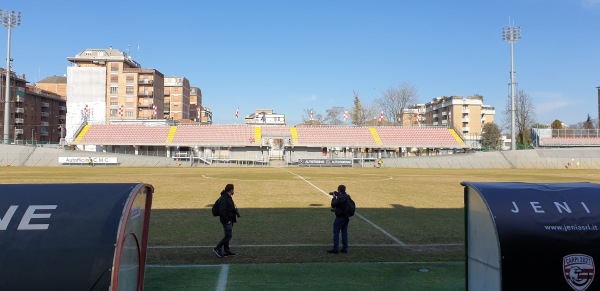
(394, 100)
(317, 118)
(524, 117)
(333, 115)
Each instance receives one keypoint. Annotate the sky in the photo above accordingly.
(290, 56)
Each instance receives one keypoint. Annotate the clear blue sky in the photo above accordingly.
(292, 55)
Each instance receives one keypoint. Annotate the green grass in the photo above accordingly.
(285, 227)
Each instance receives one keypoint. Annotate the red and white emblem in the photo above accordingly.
(579, 271)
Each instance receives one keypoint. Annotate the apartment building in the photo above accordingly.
(466, 115)
(198, 111)
(35, 116)
(54, 84)
(105, 85)
(177, 98)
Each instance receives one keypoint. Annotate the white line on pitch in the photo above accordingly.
(309, 245)
(222, 283)
(357, 214)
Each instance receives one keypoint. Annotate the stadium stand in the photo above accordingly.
(214, 135)
(428, 137)
(341, 136)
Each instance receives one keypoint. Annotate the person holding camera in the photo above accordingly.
(340, 224)
(228, 215)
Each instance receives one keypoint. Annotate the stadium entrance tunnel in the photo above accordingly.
(523, 236)
(74, 236)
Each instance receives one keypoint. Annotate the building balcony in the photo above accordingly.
(19, 110)
(44, 133)
(19, 120)
(19, 131)
(145, 93)
(45, 104)
(45, 114)
(466, 111)
(62, 108)
(44, 123)
(144, 105)
(62, 117)
(466, 119)
(466, 128)
(19, 99)
(146, 81)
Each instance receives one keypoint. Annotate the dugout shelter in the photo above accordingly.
(527, 236)
(74, 236)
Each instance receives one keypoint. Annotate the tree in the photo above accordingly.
(524, 117)
(556, 124)
(333, 115)
(358, 114)
(317, 118)
(491, 136)
(588, 124)
(394, 100)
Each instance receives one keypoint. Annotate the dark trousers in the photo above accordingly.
(340, 224)
(228, 230)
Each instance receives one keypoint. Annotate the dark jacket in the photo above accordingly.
(227, 210)
(339, 203)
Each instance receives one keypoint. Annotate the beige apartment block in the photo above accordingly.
(466, 115)
(177, 98)
(107, 84)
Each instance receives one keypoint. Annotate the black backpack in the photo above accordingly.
(215, 207)
(350, 207)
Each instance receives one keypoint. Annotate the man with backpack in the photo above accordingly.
(228, 214)
(344, 207)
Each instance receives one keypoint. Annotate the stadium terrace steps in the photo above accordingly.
(84, 130)
(294, 135)
(257, 135)
(457, 137)
(172, 133)
(375, 136)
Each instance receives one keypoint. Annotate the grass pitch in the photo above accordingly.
(407, 220)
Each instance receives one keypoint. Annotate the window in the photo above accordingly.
(114, 90)
(114, 67)
(129, 114)
(113, 112)
(114, 78)
(88, 53)
(100, 54)
(129, 105)
(129, 90)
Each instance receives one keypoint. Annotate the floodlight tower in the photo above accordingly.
(511, 35)
(10, 20)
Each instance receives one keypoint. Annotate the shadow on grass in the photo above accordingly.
(302, 235)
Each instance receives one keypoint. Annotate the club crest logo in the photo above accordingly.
(579, 271)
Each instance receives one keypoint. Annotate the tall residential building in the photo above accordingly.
(466, 115)
(107, 84)
(177, 98)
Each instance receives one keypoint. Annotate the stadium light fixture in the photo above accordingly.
(511, 35)
(10, 20)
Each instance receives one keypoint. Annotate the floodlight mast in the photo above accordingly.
(511, 35)
(10, 20)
